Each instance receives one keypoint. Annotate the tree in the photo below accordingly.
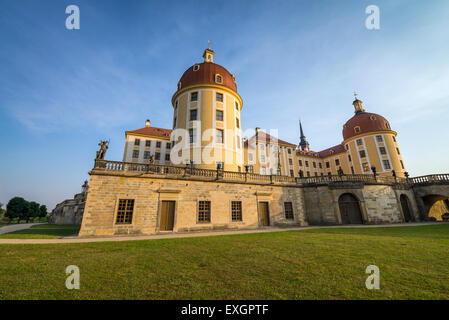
(34, 211)
(17, 208)
(43, 211)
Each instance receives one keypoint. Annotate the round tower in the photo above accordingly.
(206, 120)
(370, 142)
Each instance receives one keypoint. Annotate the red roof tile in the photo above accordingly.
(331, 151)
(152, 131)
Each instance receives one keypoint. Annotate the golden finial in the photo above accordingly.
(208, 44)
(355, 95)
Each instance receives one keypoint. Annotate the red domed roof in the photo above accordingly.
(205, 74)
(366, 122)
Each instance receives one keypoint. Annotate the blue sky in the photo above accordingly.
(61, 91)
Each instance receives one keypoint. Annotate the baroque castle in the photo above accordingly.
(202, 174)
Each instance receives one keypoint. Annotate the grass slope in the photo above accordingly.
(43, 231)
(309, 264)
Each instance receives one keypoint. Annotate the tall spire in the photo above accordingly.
(303, 144)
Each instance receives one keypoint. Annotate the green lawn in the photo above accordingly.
(43, 231)
(309, 264)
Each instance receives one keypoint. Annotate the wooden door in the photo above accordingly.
(350, 209)
(167, 216)
(264, 214)
(406, 208)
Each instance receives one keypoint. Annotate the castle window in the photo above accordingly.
(365, 167)
(314, 164)
(236, 106)
(179, 85)
(349, 158)
(352, 170)
(174, 122)
(167, 157)
(262, 158)
(292, 173)
(157, 156)
(372, 117)
(196, 67)
(379, 138)
(394, 139)
(397, 149)
(219, 115)
(236, 210)
(337, 162)
(300, 163)
(218, 78)
(237, 123)
(289, 151)
(191, 139)
(176, 105)
(359, 142)
(158, 144)
(146, 155)
(193, 114)
(320, 165)
(219, 97)
(168, 145)
(307, 163)
(250, 169)
(135, 153)
(308, 173)
(137, 142)
(148, 143)
(382, 150)
(290, 162)
(386, 164)
(356, 129)
(328, 165)
(387, 125)
(346, 147)
(194, 96)
(125, 211)
(204, 211)
(362, 154)
(402, 164)
(219, 136)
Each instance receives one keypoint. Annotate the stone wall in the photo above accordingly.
(106, 190)
(381, 204)
(69, 211)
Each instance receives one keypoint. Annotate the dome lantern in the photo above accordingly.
(357, 105)
(208, 54)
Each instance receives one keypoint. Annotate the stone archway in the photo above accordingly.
(350, 209)
(405, 205)
(436, 206)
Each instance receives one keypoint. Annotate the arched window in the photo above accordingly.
(196, 67)
(218, 78)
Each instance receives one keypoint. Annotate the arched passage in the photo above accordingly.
(436, 206)
(405, 205)
(350, 209)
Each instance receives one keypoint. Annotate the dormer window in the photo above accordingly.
(233, 78)
(356, 129)
(372, 117)
(387, 124)
(196, 67)
(218, 78)
(179, 85)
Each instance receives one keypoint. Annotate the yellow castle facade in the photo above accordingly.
(207, 134)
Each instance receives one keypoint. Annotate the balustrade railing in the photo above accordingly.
(432, 178)
(206, 174)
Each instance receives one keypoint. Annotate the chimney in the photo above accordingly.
(147, 123)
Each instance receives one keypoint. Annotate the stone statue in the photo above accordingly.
(103, 147)
(85, 186)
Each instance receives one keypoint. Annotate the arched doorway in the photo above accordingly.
(405, 204)
(350, 209)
